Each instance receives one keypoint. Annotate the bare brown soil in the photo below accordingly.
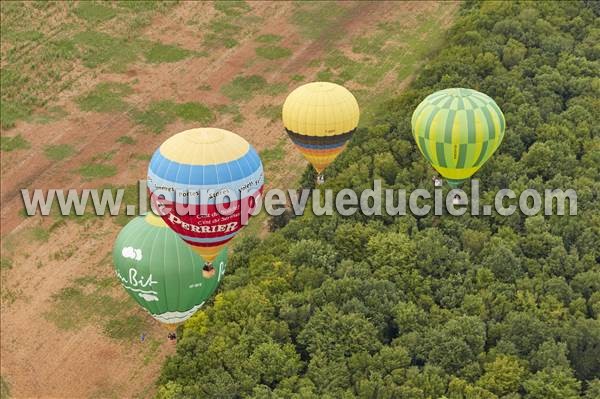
(38, 358)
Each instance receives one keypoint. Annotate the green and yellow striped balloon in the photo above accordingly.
(457, 130)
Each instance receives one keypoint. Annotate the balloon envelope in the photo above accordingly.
(320, 118)
(457, 130)
(161, 272)
(214, 171)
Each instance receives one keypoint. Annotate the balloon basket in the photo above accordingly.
(208, 271)
(320, 179)
(171, 327)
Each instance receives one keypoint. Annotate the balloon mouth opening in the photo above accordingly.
(154, 220)
(455, 183)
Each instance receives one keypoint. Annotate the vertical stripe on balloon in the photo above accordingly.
(457, 130)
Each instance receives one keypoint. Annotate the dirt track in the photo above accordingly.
(38, 358)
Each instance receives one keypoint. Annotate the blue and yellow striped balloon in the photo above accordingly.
(457, 131)
(196, 175)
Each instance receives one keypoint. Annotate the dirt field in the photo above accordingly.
(67, 328)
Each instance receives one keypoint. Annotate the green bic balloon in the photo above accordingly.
(160, 271)
(457, 130)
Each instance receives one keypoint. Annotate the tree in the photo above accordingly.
(336, 335)
(513, 53)
(456, 344)
(274, 362)
(503, 375)
(550, 354)
(552, 383)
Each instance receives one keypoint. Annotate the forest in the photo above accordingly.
(437, 306)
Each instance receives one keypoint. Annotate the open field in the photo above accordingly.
(89, 91)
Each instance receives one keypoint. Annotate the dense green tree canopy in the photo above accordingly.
(436, 306)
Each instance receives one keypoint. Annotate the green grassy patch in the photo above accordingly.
(244, 87)
(9, 296)
(51, 114)
(297, 78)
(142, 157)
(22, 36)
(325, 75)
(98, 48)
(86, 300)
(228, 27)
(105, 97)
(13, 143)
(6, 263)
(141, 5)
(126, 140)
(159, 52)
(12, 111)
(271, 52)
(232, 8)
(96, 170)
(345, 68)
(193, 111)
(318, 20)
(94, 12)
(62, 49)
(4, 388)
(269, 38)
(153, 346)
(39, 234)
(221, 33)
(157, 116)
(275, 89)
(160, 113)
(270, 112)
(124, 328)
(232, 110)
(58, 152)
(63, 254)
(17, 98)
(23, 213)
(392, 48)
(104, 156)
(276, 153)
(44, 50)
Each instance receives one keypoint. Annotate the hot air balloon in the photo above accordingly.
(161, 272)
(205, 183)
(457, 130)
(320, 118)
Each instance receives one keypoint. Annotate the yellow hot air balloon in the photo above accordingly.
(320, 118)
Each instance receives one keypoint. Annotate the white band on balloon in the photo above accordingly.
(205, 194)
(177, 317)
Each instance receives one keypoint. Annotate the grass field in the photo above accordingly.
(90, 89)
